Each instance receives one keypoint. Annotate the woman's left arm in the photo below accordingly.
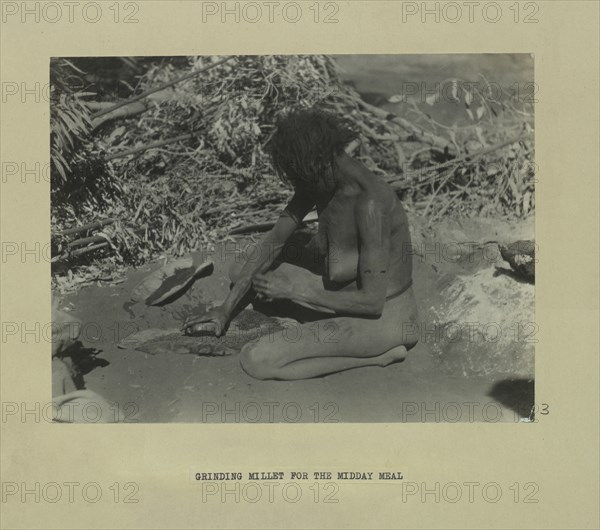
(374, 227)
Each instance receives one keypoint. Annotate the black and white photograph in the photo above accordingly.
(293, 238)
(301, 264)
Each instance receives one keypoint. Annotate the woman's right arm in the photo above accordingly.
(259, 262)
(260, 259)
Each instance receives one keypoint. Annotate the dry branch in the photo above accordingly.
(86, 250)
(86, 228)
(418, 133)
(130, 109)
(153, 145)
(465, 158)
(162, 87)
(86, 241)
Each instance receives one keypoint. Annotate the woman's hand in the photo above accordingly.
(272, 285)
(215, 320)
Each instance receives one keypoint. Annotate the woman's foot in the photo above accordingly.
(395, 355)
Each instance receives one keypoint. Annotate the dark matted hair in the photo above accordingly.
(305, 145)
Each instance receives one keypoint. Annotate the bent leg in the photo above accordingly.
(262, 368)
(332, 345)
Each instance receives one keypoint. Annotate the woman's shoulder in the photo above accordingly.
(378, 196)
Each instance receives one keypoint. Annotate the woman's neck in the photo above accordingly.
(352, 175)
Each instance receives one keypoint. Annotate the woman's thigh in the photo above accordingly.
(343, 336)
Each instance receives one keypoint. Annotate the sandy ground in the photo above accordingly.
(427, 386)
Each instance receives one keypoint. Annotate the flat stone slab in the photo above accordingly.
(171, 280)
(248, 326)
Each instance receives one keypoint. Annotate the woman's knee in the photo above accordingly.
(259, 361)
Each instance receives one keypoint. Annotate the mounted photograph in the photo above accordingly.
(293, 239)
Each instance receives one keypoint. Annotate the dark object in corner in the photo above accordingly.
(521, 257)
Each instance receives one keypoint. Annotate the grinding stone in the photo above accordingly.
(249, 325)
(172, 279)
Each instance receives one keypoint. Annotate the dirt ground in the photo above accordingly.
(447, 377)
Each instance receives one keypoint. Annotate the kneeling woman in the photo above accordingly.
(355, 275)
